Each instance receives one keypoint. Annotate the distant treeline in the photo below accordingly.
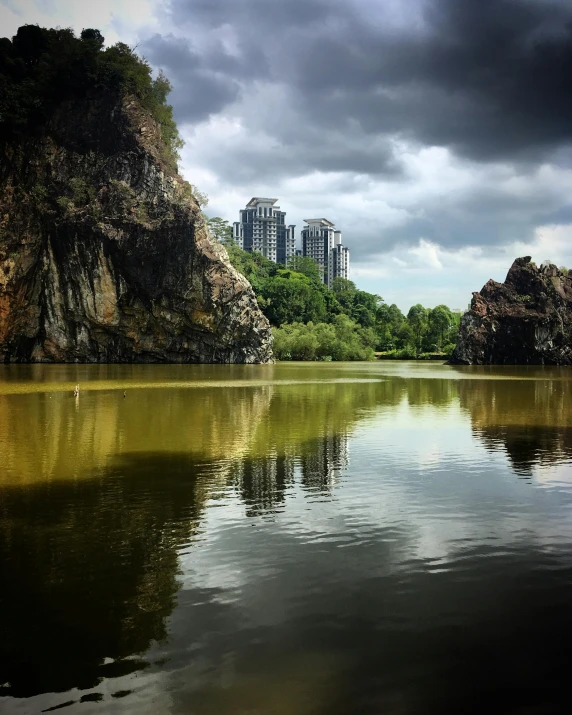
(313, 322)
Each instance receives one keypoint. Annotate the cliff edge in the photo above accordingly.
(104, 252)
(527, 320)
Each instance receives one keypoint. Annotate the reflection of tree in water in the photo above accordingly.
(530, 419)
(430, 391)
(88, 571)
(73, 438)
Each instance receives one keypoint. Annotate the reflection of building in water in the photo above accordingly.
(321, 468)
(263, 482)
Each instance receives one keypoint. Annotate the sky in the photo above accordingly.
(435, 134)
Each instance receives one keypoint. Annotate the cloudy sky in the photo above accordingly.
(436, 134)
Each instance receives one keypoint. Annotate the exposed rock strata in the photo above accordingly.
(104, 255)
(527, 320)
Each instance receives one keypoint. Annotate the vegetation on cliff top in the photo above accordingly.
(39, 68)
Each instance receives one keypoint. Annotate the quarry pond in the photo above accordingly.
(288, 539)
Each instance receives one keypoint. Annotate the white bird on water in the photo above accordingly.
(76, 391)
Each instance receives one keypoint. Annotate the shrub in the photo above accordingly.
(342, 340)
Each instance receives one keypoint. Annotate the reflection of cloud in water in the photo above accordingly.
(381, 630)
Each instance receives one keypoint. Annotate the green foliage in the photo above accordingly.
(39, 194)
(417, 319)
(81, 193)
(41, 67)
(306, 266)
(200, 197)
(254, 266)
(341, 340)
(121, 201)
(440, 319)
(65, 203)
(221, 230)
(315, 323)
(191, 193)
(286, 295)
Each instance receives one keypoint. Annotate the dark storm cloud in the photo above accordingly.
(192, 78)
(489, 78)
(333, 86)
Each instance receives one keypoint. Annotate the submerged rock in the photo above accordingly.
(104, 252)
(527, 320)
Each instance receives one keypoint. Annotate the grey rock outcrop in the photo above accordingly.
(104, 253)
(527, 320)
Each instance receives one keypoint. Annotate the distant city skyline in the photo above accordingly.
(262, 228)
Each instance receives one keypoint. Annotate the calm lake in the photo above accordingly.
(288, 539)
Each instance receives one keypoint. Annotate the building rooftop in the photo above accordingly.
(319, 220)
(258, 199)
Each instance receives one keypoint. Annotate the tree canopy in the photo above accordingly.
(312, 322)
(41, 67)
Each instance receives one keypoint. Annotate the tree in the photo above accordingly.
(221, 229)
(343, 285)
(440, 321)
(417, 319)
(201, 198)
(290, 297)
(42, 67)
(94, 37)
(307, 266)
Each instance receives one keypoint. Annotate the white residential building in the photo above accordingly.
(339, 265)
(262, 227)
(322, 242)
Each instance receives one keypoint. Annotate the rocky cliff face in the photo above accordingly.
(527, 320)
(104, 255)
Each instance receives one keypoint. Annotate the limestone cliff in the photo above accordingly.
(104, 254)
(527, 320)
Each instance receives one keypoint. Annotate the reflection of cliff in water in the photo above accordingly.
(530, 419)
(96, 507)
(88, 566)
(88, 571)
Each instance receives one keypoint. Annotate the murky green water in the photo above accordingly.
(289, 539)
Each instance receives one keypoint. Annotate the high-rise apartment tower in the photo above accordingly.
(322, 242)
(262, 227)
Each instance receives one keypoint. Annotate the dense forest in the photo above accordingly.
(313, 322)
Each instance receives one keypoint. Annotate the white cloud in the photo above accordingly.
(117, 19)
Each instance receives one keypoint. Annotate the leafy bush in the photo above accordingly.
(341, 340)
